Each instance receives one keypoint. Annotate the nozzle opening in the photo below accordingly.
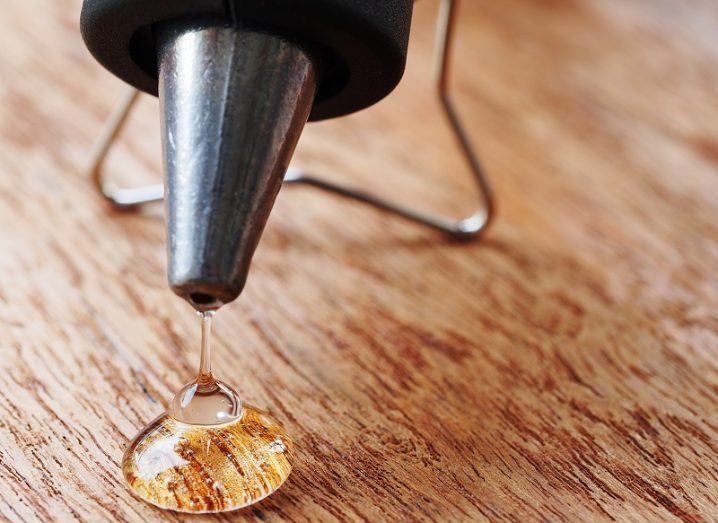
(199, 298)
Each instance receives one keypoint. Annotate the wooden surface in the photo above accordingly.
(565, 369)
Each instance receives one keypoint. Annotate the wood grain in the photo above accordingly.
(564, 369)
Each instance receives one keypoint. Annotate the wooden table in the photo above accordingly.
(564, 369)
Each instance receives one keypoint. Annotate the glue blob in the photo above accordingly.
(208, 452)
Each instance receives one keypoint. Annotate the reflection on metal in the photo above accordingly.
(466, 228)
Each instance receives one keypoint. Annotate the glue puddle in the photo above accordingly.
(209, 452)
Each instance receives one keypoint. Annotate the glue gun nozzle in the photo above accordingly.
(233, 104)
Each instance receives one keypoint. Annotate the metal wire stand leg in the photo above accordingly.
(462, 228)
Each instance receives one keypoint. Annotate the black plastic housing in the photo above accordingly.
(362, 43)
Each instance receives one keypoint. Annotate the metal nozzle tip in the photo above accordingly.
(209, 300)
(233, 102)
